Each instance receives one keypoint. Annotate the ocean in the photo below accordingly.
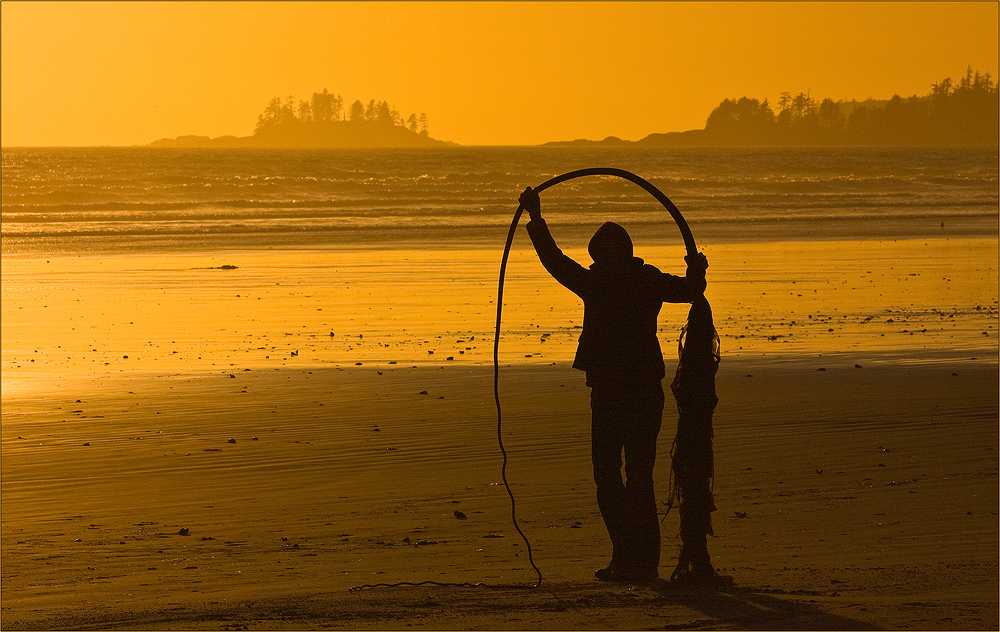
(236, 384)
(138, 259)
(142, 199)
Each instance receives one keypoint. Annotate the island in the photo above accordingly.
(323, 122)
(965, 113)
(962, 113)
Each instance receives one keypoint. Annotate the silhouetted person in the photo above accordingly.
(620, 353)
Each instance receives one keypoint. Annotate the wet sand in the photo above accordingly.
(847, 498)
(856, 443)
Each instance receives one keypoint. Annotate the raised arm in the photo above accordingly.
(695, 276)
(563, 269)
(676, 289)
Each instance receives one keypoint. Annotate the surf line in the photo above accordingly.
(593, 171)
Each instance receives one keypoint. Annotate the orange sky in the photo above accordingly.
(112, 73)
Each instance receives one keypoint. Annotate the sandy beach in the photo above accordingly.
(318, 421)
(250, 308)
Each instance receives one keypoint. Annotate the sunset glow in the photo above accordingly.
(119, 73)
(286, 287)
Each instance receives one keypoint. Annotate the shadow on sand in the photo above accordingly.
(756, 609)
(554, 606)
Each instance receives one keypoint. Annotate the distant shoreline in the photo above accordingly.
(313, 135)
(610, 142)
(701, 138)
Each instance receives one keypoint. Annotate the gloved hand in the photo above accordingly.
(529, 199)
(697, 264)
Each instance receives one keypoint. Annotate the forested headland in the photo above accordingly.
(324, 120)
(963, 113)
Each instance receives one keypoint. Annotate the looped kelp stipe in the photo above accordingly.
(693, 387)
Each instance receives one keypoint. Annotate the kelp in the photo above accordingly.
(692, 470)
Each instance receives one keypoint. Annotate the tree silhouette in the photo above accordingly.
(288, 111)
(966, 113)
(323, 105)
(802, 104)
(785, 101)
(271, 115)
(383, 114)
(830, 115)
(357, 112)
(745, 119)
(305, 111)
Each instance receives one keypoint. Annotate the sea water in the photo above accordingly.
(97, 199)
(138, 259)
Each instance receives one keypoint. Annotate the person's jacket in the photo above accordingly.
(621, 297)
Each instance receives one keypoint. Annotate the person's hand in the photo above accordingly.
(529, 200)
(697, 263)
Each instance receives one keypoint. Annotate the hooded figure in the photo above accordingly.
(620, 353)
(611, 244)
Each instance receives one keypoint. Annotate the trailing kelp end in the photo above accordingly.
(692, 470)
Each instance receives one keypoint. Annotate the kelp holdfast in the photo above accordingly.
(692, 470)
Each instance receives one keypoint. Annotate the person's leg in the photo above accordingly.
(645, 412)
(607, 439)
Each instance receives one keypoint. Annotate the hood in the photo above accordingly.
(610, 245)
